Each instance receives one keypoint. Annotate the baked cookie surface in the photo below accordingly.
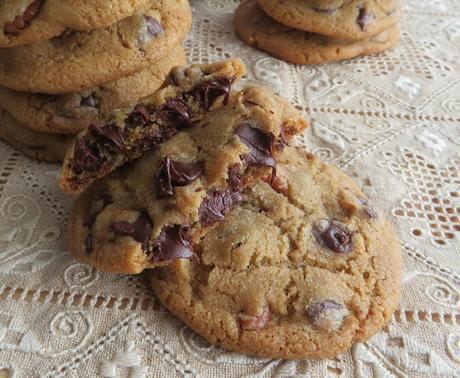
(296, 46)
(33, 144)
(151, 212)
(32, 21)
(77, 61)
(71, 113)
(341, 19)
(301, 268)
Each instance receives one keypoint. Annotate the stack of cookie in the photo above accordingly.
(257, 246)
(67, 64)
(318, 31)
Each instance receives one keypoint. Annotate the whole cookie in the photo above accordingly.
(301, 268)
(31, 21)
(77, 61)
(33, 144)
(296, 46)
(150, 213)
(344, 19)
(187, 95)
(71, 113)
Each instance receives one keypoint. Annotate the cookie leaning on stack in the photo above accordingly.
(318, 31)
(113, 57)
(257, 246)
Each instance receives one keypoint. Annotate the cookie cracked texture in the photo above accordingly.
(340, 19)
(300, 47)
(153, 212)
(77, 61)
(188, 95)
(73, 112)
(31, 21)
(303, 267)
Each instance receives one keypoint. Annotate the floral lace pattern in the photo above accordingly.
(391, 118)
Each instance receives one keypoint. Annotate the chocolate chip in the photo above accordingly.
(140, 230)
(217, 204)
(110, 136)
(23, 21)
(210, 90)
(255, 322)
(235, 180)
(87, 156)
(335, 236)
(172, 244)
(140, 116)
(326, 10)
(154, 136)
(88, 101)
(174, 173)
(364, 18)
(315, 310)
(175, 112)
(153, 27)
(260, 146)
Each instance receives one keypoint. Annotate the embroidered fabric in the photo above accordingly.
(391, 121)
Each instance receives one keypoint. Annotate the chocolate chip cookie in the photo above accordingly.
(341, 19)
(31, 21)
(33, 144)
(71, 113)
(78, 61)
(152, 212)
(296, 46)
(303, 267)
(188, 94)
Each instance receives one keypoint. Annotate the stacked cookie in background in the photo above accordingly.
(259, 247)
(318, 31)
(65, 65)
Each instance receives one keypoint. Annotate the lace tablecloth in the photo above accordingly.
(391, 121)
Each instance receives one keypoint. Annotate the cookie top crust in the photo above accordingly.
(73, 112)
(303, 267)
(152, 212)
(188, 94)
(25, 22)
(342, 19)
(296, 46)
(75, 61)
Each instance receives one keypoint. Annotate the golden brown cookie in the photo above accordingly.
(342, 19)
(188, 94)
(301, 268)
(77, 61)
(33, 144)
(296, 46)
(71, 113)
(151, 212)
(31, 21)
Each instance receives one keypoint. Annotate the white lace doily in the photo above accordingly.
(391, 121)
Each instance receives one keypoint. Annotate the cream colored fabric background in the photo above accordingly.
(391, 121)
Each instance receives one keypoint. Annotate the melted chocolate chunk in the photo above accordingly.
(110, 136)
(23, 21)
(260, 145)
(235, 181)
(140, 116)
(336, 237)
(153, 27)
(210, 90)
(217, 204)
(87, 156)
(174, 173)
(88, 101)
(172, 244)
(315, 310)
(364, 18)
(175, 112)
(140, 230)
